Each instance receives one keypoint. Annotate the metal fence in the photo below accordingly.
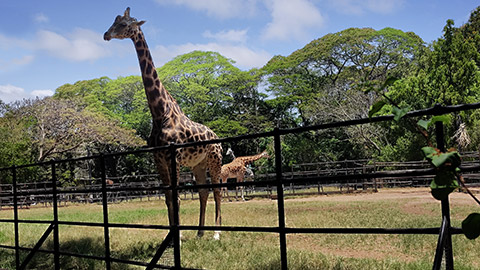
(444, 232)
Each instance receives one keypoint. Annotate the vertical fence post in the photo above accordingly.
(56, 241)
(445, 203)
(15, 217)
(106, 232)
(280, 199)
(176, 218)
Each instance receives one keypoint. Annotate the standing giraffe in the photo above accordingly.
(171, 125)
(236, 169)
(248, 172)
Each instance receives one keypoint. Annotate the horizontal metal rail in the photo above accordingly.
(267, 229)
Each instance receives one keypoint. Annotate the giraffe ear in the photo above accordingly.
(140, 23)
(127, 13)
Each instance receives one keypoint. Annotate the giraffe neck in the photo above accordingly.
(162, 105)
(248, 159)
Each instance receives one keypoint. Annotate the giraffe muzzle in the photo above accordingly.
(107, 36)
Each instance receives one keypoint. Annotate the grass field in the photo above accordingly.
(389, 208)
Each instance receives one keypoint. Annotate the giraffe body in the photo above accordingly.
(171, 125)
(236, 169)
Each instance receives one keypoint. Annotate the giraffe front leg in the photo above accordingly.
(240, 180)
(169, 202)
(200, 173)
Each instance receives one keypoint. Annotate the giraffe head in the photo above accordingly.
(264, 154)
(123, 27)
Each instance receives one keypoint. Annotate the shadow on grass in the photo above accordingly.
(93, 246)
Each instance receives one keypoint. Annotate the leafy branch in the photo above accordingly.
(447, 164)
(397, 111)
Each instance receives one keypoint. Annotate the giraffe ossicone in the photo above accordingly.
(171, 125)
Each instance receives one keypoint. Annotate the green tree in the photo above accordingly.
(121, 99)
(15, 141)
(453, 74)
(86, 92)
(199, 82)
(471, 29)
(323, 82)
(126, 102)
(448, 75)
(326, 69)
(212, 91)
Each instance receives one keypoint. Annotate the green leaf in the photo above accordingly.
(428, 123)
(424, 123)
(399, 113)
(389, 82)
(451, 157)
(440, 118)
(444, 177)
(439, 160)
(471, 226)
(376, 108)
(429, 151)
(442, 192)
(454, 159)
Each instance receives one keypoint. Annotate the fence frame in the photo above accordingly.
(444, 232)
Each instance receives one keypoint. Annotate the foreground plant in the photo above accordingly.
(448, 176)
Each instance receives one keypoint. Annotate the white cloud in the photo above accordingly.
(362, 6)
(81, 45)
(239, 36)
(14, 63)
(218, 8)
(41, 18)
(9, 42)
(10, 93)
(291, 19)
(41, 93)
(25, 60)
(10, 90)
(244, 57)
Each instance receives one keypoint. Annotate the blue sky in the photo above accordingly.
(45, 44)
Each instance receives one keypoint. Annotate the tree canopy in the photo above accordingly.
(333, 78)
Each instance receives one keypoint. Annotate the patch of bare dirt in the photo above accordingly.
(419, 195)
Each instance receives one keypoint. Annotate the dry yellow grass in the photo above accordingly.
(390, 208)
